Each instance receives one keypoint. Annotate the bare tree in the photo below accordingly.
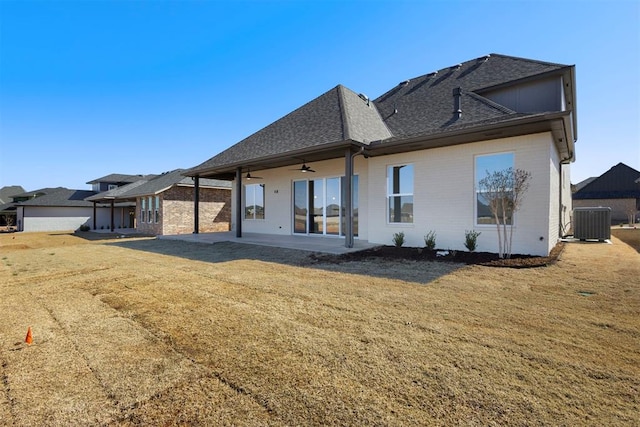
(504, 190)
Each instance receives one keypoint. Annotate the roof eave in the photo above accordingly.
(553, 122)
(310, 154)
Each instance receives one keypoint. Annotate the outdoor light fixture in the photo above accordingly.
(304, 168)
(248, 177)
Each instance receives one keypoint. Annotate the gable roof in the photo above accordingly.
(335, 118)
(619, 182)
(61, 197)
(155, 185)
(416, 114)
(7, 193)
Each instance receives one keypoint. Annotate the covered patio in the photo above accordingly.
(329, 245)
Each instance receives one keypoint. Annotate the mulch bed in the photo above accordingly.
(421, 254)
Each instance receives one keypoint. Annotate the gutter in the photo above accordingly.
(230, 167)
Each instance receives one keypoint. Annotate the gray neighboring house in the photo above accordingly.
(618, 188)
(7, 207)
(164, 204)
(55, 209)
(347, 166)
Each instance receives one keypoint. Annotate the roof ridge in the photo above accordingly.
(346, 132)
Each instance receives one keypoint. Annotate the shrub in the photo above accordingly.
(84, 227)
(398, 239)
(430, 240)
(471, 239)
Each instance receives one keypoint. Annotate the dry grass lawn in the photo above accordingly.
(156, 332)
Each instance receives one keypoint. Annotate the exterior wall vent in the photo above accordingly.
(592, 223)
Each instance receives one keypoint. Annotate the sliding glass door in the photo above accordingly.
(318, 206)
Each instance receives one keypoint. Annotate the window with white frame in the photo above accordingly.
(143, 209)
(149, 210)
(157, 210)
(486, 165)
(400, 194)
(254, 201)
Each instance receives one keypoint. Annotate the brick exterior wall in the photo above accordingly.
(176, 212)
(619, 207)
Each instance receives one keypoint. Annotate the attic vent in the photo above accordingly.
(364, 97)
(404, 83)
(432, 74)
(485, 58)
(456, 67)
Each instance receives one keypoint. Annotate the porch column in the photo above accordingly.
(94, 215)
(113, 225)
(196, 204)
(348, 205)
(239, 202)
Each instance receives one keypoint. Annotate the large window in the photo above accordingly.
(254, 201)
(486, 165)
(157, 210)
(150, 208)
(142, 209)
(400, 193)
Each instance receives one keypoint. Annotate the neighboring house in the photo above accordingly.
(164, 204)
(56, 209)
(7, 207)
(115, 180)
(618, 189)
(410, 160)
(579, 186)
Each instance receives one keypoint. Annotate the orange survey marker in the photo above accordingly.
(29, 338)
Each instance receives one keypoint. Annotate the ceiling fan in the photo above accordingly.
(248, 176)
(304, 168)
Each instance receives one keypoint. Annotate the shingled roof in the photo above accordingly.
(117, 178)
(426, 103)
(61, 197)
(422, 107)
(336, 117)
(619, 182)
(7, 193)
(167, 180)
(155, 185)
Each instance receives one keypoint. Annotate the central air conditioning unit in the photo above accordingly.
(592, 223)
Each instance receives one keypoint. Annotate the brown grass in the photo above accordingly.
(631, 236)
(152, 332)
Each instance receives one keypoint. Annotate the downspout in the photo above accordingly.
(196, 204)
(348, 234)
(561, 230)
(239, 202)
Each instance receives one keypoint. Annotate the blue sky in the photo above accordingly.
(89, 88)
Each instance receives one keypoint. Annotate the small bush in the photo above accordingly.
(398, 239)
(84, 227)
(430, 240)
(471, 239)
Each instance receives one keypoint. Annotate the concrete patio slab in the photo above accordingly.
(330, 245)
